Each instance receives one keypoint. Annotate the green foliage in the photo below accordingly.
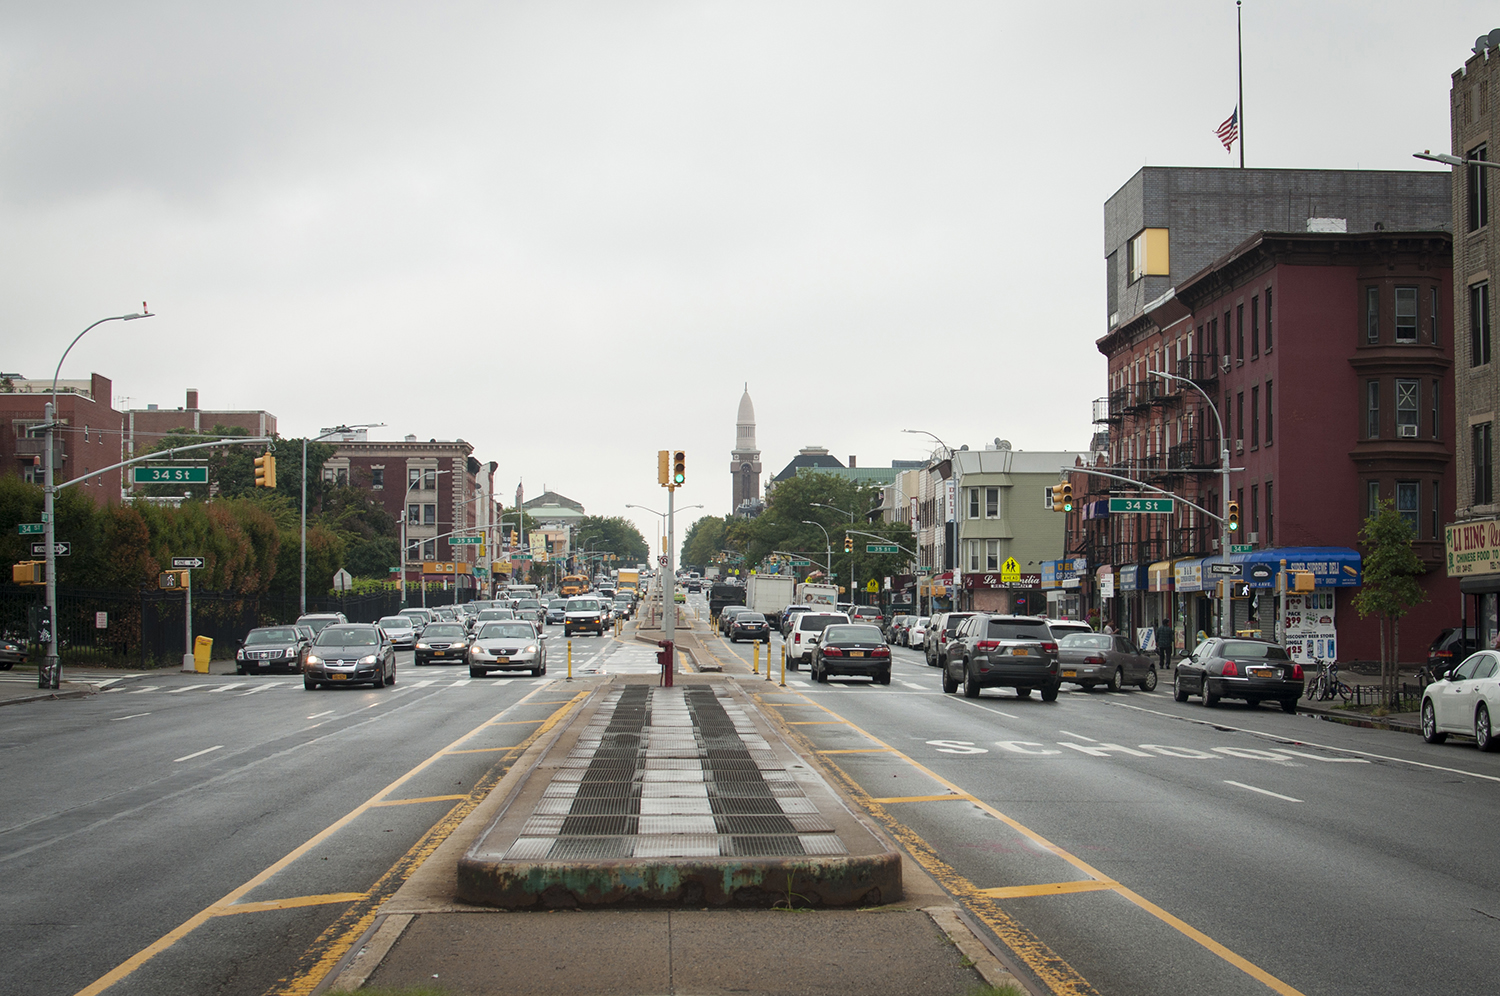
(704, 540)
(1391, 567)
(612, 535)
(373, 558)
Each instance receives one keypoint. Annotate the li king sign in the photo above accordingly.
(1009, 576)
(1472, 548)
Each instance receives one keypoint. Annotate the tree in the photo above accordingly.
(614, 536)
(704, 541)
(1390, 586)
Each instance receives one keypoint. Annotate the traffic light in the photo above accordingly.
(679, 468)
(1057, 501)
(663, 468)
(29, 572)
(1234, 516)
(1067, 496)
(848, 544)
(265, 470)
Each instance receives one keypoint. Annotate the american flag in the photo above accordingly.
(1230, 130)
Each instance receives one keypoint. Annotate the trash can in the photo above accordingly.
(203, 648)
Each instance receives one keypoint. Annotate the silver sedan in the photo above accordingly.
(508, 646)
(1102, 659)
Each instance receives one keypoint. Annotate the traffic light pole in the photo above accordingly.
(669, 603)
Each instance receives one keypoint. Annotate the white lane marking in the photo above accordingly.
(1252, 788)
(319, 715)
(1080, 736)
(422, 684)
(200, 753)
(1007, 715)
(179, 691)
(1280, 737)
(144, 688)
(460, 681)
(135, 716)
(225, 688)
(913, 684)
(107, 682)
(261, 688)
(958, 747)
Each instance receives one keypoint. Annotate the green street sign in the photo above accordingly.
(1242, 548)
(31, 528)
(520, 556)
(1142, 505)
(465, 540)
(881, 548)
(802, 563)
(169, 475)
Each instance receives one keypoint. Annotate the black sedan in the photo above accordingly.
(1253, 670)
(1101, 659)
(852, 648)
(726, 617)
(442, 643)
(272, 648)
(350, 654)
(749, 626)
(12, 652)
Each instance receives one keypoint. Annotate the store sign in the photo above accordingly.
(1472, 548)
(1000, 580)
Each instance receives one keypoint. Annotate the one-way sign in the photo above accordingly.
(1233, 569)
(58, 549)
(178, 563)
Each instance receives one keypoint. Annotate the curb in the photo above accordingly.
(49, 696)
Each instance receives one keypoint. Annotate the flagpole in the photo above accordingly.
(1239, 47)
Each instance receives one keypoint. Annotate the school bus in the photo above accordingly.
(573, 584)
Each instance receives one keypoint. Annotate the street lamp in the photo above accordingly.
(421, 472)
(663, 515)
(1226, 609)
(952, 512)
(1447, 160)
(828, 544)
(49, 675)
(836, 509)
(302, 600)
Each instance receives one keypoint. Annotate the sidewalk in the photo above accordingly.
(669, 840)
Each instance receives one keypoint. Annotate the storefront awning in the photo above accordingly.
(1129, 577)
(1331, 566)
(1159, 576)
(1187, 575)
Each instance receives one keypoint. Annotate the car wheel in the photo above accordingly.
(820, 674)
(475, 672)
(1148, 683)
(237, 668)
(307, 682)
(1023, 693)
(1049, 694)
(950, 684)
(885, 678)
(1484, 736)
(971, 682)
(1179, 694)
(1115, 681)
(392, 679)
(379, 680)
(1289, 705)
(1209, 698)
(1429, 724)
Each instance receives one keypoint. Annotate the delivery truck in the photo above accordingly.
(768, 594)
(824, 596)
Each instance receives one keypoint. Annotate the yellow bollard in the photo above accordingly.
(755, 666)
(570, 660)
(783, 667)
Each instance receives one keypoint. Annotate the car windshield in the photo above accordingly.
(489, 615)
(396, 622)
(1239, 649)
(443, 631)
(584, 605)
(852, 634)
(817, 622)
(1086, 641)
(507, 631)
(558, 603)
(270, 636)
(922, 621)
(316, 623)
(528, 603)
(337, 636)
(1015, 629)
(951, 621)
(749, 617)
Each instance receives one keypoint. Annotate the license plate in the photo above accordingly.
(339, 677)
(1070, 674)
(1262, 672)
(1020, 652)
(265, 663)
(502, 660)
(440, 653)
(856, 653)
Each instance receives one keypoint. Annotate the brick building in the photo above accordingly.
(144, 426)
(90, 437)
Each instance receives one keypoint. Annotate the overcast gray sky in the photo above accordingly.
(570, 232)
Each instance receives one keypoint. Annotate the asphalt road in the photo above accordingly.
(1124, 843)
(188, 834)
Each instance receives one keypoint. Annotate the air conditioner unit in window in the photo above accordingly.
(1408, 431)
(1226, 364)
(1253, 538)
(1239, 446)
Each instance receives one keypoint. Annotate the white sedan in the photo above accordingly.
(916, 632)
(1464, 702)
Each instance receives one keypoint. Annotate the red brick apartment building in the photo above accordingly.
(90, 437)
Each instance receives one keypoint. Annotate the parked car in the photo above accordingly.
(315, 621)
(1451, 647)
(895, 630)
(349, 654)
(12, 652)
(806, 628)
(442, 643)
(1062, 627)
(1464, 701)
(916, 632)
(749, 626)
(402, 630)
(584, 614)
(266, 649)
(856, 648)
(726, 617)
(1091, 659)
(789, 613)
(1253, 670)
(508, 646)
(988, 651)
(939, 632)
(868, 614)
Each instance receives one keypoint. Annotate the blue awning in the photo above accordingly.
(1331, 566)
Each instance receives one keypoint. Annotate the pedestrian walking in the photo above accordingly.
(1164, 642)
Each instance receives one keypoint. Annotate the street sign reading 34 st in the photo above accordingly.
(1117, 505)
(169, 475)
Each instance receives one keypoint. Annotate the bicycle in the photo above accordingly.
(1427, 674)
(1326, 685)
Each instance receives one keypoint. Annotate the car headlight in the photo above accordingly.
(314, 659)
(531, 649)
(238, 656)
(476, 651)
(369, 659)
(420, 646)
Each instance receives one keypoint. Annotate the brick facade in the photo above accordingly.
(90, 437)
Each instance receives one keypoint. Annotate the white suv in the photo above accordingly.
(806, 628)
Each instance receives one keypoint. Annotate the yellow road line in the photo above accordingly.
(192, 923)
(516, 722)
(947, 797)
(290, 904)
(425, 798)
(1032, 946)
(1050, 889)
(476, 750)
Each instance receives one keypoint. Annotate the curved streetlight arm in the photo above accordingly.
(818, 504)
(828, 544)
(1447, 160)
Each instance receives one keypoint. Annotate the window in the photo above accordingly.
(413, 478)
(1254, 327)
(1255, 508)
(973, 503)
(1408, 394)
(1432, 316)
(1228, 418)
(992, 555)
(1239, 416)
(992, 503)
(1372, 498)
(429, 550)
(1255, 417)
(377, 478)
(429, 515)
(1372, 314)
(1406, 314)
(1479, 325)
(1228, 317)
(1436, 412)
(1270, 515)
(1372, 409)
(1406, 503)
(973, 555)
(1239, 333)
(1437, 503)
(1270, 417)
(1477, 183)
(1147, 254)
(1268, 318)
(429, 478)
(413, 515)
(1483, 461)
(1211, 345)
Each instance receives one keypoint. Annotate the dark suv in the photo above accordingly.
(1450, 648)
(1016, 652)
(939, 632)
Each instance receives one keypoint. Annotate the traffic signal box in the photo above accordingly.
(1067, 496)
(679, 468)
(848, 544)
(172, 580)
(664, 468)
(265, 470)
(29, 572)
(1234, 516)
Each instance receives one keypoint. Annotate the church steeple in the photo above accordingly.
(744, 460)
